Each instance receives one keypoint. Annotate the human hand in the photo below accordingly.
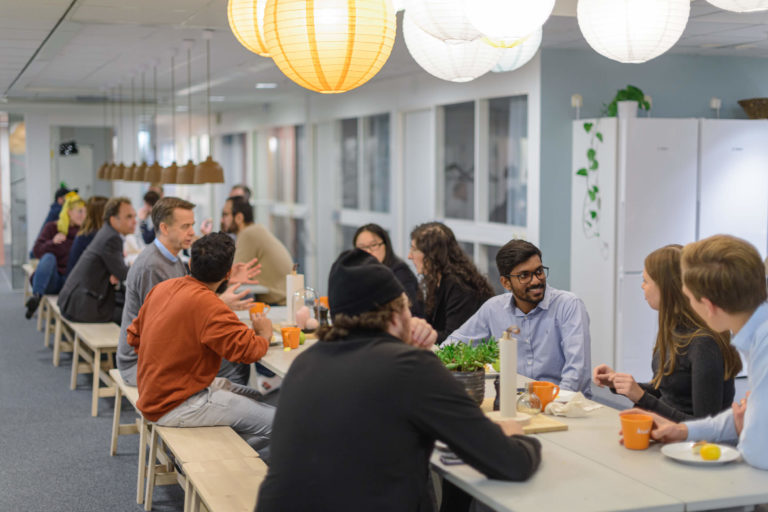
(206, 226)
(509, 426)
(262, 325)
(113, 280)
(59, 238)
(244, 273)
(662, 430)
(625, 384)
(143, 212)
(602, 375)
(422, 334)
(235, 300)
(738, 413)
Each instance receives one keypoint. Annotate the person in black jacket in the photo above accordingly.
(361, 409)
(454, 289)
(88, 294)
(374, 240)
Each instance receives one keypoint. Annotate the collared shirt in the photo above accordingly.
(752, 342)
(165, 252)
(553, 343)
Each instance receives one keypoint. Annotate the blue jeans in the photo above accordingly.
(46, 279)
(216, 406)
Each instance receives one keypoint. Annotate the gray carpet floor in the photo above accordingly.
(53, 455)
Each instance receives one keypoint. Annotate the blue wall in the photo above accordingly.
(680, 85)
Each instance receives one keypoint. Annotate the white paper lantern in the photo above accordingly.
(632, 31)
(519, 55)
(508, 19)
(741, 5)
(398, 5)
(443, 19)
(455, 61)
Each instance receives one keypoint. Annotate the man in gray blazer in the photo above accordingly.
(88, 294)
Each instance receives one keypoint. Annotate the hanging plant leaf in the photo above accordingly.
(591, 154)
(581, 172)
(588, 223)
(594, 165)
(592, 195)
(599, 136)
(588, 126)
(595, 189)
(593, 214)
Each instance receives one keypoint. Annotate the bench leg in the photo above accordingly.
(188, 492)
(152, 465)
(57, 335)
(75, 361)
(116, 421)
(96, 365)
(47, 334)
(143, 428)
(40, 310)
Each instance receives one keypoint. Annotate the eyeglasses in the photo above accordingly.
(541, 273)
(370, 247)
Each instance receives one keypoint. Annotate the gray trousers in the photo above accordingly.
(225, 403)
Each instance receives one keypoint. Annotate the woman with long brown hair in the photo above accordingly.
(693, 366)
(453, 289)
(94, 219)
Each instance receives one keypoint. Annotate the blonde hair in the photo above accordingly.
(728, 271)
(71, 201)
(678, 322)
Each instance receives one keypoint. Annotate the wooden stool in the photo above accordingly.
(29, 269)
(63, 336)
(91, 341)
(230, 485)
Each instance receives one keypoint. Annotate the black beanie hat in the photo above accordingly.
(358, 283)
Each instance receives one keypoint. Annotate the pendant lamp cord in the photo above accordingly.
(173, 110)
(189, 99)
(208, 91)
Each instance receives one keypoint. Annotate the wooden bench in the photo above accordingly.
(140, 426)
(29, 269)
(91, 341)
(192, 444)
(230, 485)
(63, 336)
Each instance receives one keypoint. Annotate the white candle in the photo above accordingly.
(293, 283)
(508, 376)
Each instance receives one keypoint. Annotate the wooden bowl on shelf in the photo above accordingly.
(755, 108)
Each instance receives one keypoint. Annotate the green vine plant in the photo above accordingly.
(469, 357)
(590, 220)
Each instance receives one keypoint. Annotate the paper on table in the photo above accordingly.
(508, 377)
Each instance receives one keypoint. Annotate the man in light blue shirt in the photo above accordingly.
(724, 278)
(551, 325)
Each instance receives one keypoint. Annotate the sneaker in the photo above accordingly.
(32, 303)
(266, 385)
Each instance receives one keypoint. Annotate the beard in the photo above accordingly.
(532, 294)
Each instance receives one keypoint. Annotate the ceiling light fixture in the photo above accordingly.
(154, 173)
(246, 20)
(329, 47)
(209, 171)
(266, 85)
(517, 56)
(444, 19)
(169, 173)
(102, 174)
(141, 169)
(741, 5)
(130, 171)
(186, 173)
(118, 171)
(508, 20)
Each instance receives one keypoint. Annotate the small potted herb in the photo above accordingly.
(467, 363)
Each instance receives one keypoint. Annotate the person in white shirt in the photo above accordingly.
(724, 278)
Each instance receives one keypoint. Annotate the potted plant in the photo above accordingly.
(467, 363)
(630, 93)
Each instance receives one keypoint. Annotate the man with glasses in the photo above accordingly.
(551, 325)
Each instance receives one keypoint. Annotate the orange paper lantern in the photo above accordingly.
(246, 20)
(329, 46)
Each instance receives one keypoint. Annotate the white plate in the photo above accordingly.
(683, 452)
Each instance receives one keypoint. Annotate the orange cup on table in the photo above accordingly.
(259, 308)
(546, 391)
(636, 429)
(290, 336)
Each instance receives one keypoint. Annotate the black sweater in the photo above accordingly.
(696, 389)
(357, 422)
(455, 303)
(410, 283)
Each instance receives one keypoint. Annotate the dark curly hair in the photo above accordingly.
(443, 256)
(212, 257)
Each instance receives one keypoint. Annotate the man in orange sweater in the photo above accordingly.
(181, 334)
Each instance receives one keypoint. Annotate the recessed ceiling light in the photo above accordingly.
(217, 99)
(181, 108)
(266, 85)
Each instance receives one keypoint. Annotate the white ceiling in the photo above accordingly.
(77, 49)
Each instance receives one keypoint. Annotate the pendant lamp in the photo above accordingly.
(455, 62)
(632, 31)
(329, 46)
(741, 5)
(246, 20)
(519, 55)
(112, 142)
(130, 170)
(208, 171)
(443, 19)
(118, 171)
(141, 169)
(186, 173)
(102, 173)
(169, 173)
(508, 20)
(154, 173)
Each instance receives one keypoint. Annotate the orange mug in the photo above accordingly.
(259, 308)
(546, 391)
(636, 429)
(291, 336)
(323, 301)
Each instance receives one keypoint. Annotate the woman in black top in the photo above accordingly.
(693, 366)
(453, 288)
(374, 240)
